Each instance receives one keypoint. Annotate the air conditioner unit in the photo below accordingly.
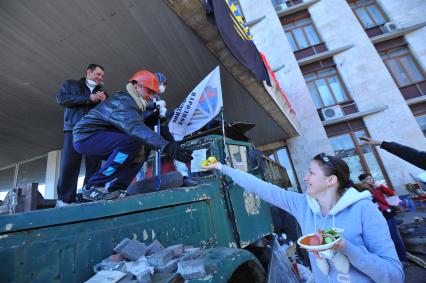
(332, 112)
(389, 27)
(280, 7)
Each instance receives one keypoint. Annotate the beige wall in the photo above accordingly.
(370, 85)
(271, 40)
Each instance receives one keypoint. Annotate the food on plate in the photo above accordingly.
(322, 237)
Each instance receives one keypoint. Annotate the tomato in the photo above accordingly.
(315, 240)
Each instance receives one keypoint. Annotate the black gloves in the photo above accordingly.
(165, 133)
(175, 151)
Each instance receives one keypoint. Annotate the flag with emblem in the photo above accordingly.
(199, 107)
(236, 36)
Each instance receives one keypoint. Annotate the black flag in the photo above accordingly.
(236, 36)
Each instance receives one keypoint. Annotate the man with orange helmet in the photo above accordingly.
(115, 131)
(179, 166)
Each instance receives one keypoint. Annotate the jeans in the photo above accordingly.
(396, 238)
(70, 169)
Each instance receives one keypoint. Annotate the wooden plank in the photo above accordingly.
(31, 195)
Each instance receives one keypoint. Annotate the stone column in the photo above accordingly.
(52, 174)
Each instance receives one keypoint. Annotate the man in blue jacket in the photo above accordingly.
(77, 98)
(115, 132)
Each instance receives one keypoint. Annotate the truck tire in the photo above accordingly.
(249, 272)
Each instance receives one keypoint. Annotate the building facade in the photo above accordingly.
(350, 68)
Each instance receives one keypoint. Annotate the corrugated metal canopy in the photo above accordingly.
(44, 43)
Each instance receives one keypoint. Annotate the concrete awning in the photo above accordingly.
(44, 43)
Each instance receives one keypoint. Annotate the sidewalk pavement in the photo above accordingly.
(413, 272)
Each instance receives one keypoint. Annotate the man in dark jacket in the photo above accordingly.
(77, 98)
(115, 131)
(411, 155)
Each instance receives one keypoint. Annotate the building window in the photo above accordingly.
(360, 157)
(301, 34)
(33, 171)
(277, 2)
(288, 3)
(368, 13)
(30, 171)
(326, 88)
(402, 67)
(7, 176)
(421, 120)
(283, 158)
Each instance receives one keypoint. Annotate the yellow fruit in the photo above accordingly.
(211, 160)
(204, 163)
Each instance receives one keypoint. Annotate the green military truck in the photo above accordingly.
(63, 244)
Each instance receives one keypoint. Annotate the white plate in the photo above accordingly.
(319, 247)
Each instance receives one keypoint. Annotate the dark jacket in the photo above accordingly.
(118, 113)
(411, 155)
(75, 97)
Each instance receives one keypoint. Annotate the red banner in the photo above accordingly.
(272, 75)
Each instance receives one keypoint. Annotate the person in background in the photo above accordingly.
(115, 131)
(365, 253)
(409, 154)
(379, 191)
(77, 98)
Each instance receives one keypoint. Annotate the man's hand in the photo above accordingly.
(94, 97)
(101, 95)
(175, 151)
(370, 141)
(216, 165)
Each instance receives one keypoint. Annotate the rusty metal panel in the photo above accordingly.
(252, 216)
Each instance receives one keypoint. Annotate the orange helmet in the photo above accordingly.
(147, 79)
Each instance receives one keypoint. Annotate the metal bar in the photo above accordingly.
(225, 186)
(31, 195)
(15, 177)
(158, 157)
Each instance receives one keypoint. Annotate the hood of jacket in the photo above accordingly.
(350, 197)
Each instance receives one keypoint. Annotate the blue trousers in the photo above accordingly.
(70, 169)
(118, 150)
(396, 238)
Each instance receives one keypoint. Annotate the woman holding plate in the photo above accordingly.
(361, 255)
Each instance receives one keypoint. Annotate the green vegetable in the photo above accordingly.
(330, 231)
(337, 235)
(328, 240)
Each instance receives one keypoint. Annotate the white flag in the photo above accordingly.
(199, 107)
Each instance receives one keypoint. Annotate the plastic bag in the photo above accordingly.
(306, 275)
(393, 200)
(280, 269)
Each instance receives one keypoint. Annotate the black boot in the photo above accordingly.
(188, 182)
